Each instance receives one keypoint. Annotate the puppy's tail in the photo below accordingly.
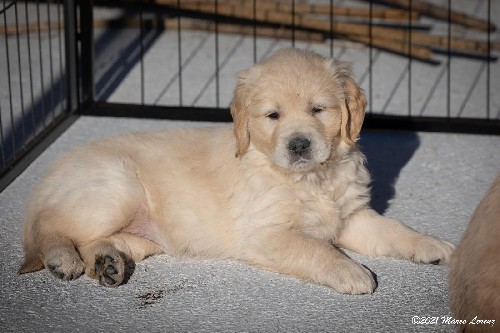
(32, 263)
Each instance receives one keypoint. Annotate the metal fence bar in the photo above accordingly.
(488, 63)
(71, 55)
(448, 65)
(43, 131)
(370, 59)
(9, 85)
(30, 69)
(293, 23)
(61, 65)
(86, 59)
(375, 121)
(179, 53)
(141, 51)
(217, 83)
(410, 58)
(6, 7)
(254, 35)
(40, 59)
(332, 21)
(51, 65)
(21, 90)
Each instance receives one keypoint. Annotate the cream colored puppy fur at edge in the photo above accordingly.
(296, 190)
(475, 268)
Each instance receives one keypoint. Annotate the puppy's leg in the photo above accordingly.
(61, 258)
(49, 248)
(90, 194)
(106, 259)
(293, 253)
(369, 233)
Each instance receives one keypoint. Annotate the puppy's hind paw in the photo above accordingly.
(110, 270)
(65, 268)
(63, 262)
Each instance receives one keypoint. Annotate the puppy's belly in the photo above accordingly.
(183, 217)
(143, 226)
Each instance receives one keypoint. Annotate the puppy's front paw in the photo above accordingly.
(431, 250)
(349, 277)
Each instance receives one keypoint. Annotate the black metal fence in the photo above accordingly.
(424, 66)
(37, 80)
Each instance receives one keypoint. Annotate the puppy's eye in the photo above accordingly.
(273, 115)
(317, 109)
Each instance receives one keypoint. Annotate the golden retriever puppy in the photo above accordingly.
(474, 275)
(281, 189)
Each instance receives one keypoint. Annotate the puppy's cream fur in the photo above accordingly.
(474, 275)
(296, 189)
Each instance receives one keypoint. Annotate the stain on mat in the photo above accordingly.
(151, 297)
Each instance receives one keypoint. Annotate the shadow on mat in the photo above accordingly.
(387, 153)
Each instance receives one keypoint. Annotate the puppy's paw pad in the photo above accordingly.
(110, 270)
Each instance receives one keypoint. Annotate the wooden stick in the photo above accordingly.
(282, 18)
(441, 13)
(384, 33)
(305, 8)
(280, 15)
(456, 44)
(417, 38)
(248, 30)
(13, 29)
(322, 25)
(341, 28)
(188, 24)
(417, 52)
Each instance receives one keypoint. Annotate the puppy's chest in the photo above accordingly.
(318, 211)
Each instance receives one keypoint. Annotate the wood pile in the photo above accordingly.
(390, 27)
(391, 30)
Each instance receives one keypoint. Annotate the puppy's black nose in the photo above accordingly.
(299, 145)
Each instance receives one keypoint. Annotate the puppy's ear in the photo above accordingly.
(239, 112)
(353, 103)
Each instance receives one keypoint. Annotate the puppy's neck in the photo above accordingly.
(312, 177)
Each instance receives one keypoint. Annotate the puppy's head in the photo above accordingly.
(297, 107)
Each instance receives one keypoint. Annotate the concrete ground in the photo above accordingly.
(430, 181)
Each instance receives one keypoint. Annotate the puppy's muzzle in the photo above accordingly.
(299, 147)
